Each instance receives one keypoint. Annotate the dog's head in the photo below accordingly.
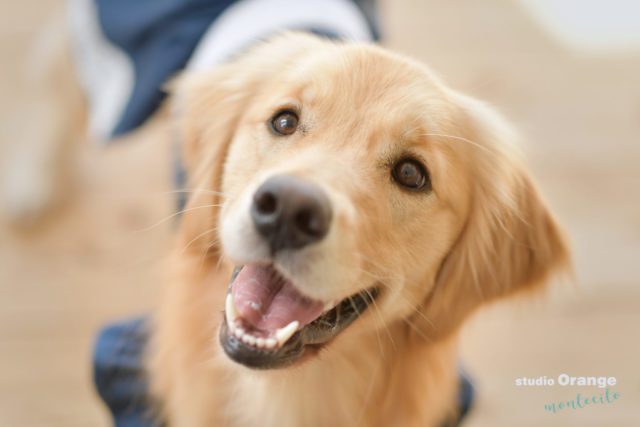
(338, 176)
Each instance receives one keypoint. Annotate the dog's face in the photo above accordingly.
(349, 178)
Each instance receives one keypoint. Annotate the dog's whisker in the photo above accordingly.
(368, 393)
(418, 330)
(220, 259)
(421, 314)
(381, 279)
(379, 339)
(377, 265)
(380, 346)
(414, 308)
(461, 139)
(211, 230)
(175, 214)
(392, 276)
(206, 251)
(383, 282)
(353, 305)
(196, 191)
(384, 324)
(184, 191)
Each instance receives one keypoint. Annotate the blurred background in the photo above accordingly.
(566, 72)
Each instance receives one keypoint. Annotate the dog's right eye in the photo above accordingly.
(284, 123)
(411, 174)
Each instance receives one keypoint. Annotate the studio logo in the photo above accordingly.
(581, 400)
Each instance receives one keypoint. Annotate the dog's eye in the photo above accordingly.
(411, 173)
(284, 122)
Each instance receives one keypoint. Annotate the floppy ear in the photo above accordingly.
(207, 108)
(510, 243)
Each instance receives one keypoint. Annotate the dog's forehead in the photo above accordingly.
(368, 77)
(356, 85)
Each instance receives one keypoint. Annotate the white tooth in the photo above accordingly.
(270, 343)
(260, 342)
(246, 338)
(231, 310)
(239, 333)
(283, 334)
(252, 339)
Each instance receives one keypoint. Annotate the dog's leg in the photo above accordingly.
(38, 158)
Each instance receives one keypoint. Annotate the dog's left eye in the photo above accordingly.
(411, 173)
(284, 122)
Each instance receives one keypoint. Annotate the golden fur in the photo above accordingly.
(482, 233)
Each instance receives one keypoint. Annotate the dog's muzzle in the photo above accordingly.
(268, 322)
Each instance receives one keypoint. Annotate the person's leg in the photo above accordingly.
(37, 167)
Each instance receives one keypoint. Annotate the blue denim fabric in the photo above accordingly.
(118, 373)
(465, 395)
(159, 37)
(121, 383)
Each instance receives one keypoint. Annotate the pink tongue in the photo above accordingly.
(268, 302)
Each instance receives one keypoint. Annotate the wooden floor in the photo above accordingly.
(97, 259)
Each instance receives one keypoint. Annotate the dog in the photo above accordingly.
(349, 212)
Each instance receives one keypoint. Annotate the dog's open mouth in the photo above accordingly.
(269, 324)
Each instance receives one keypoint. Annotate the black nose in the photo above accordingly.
(290, 213)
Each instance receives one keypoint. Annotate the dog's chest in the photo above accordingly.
(303, 397)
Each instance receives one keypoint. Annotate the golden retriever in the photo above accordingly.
(348, 212)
